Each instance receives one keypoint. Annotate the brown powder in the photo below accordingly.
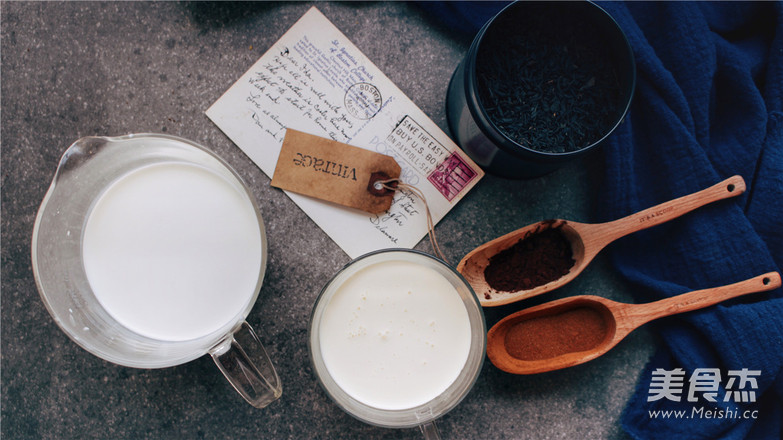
(547, 337)
(537, 259)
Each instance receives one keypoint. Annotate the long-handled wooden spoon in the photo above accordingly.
(586, 240)
(513, 346)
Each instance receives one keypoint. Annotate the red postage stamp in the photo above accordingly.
(451, 176)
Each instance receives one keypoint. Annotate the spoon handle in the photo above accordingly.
(698, 299)
(731, 187)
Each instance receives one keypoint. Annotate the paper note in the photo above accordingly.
(316, 81)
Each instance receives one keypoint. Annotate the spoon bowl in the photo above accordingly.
(618, 321)
(586, 240)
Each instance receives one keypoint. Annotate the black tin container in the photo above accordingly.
(474, 130)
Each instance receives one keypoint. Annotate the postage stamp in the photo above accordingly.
(452, 176)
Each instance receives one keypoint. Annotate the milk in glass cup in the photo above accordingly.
(397, 339)
(149, 251)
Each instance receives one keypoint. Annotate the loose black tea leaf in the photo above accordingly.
(547, 79)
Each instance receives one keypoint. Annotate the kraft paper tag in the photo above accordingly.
(333, 171)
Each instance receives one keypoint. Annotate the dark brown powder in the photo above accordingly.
(533, 261)
(547, 337)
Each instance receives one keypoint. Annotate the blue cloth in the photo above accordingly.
(708, 105)
(465, 17)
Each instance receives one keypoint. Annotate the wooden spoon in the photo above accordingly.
(619, 320)
(586, 240)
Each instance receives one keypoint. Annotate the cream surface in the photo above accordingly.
(395, 335)
(173, 251)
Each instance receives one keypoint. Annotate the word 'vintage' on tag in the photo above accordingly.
(335, 172)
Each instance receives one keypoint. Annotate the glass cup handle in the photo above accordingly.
(430, 431)
(244, 362)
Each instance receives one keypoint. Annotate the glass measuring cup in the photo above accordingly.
(422, 414)
(86, 171)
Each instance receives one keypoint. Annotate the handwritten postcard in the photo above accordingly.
(316, 81)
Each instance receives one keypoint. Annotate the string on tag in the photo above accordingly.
(395, 184)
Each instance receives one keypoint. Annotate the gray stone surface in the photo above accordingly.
(72, 69)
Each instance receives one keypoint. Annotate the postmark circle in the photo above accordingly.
(363, 100)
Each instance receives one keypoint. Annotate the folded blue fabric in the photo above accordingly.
(465, 17)
(708, 105)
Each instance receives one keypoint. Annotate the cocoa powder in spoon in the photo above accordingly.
(533, 261)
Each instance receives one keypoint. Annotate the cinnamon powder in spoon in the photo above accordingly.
(537, 259)
(546, 337)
